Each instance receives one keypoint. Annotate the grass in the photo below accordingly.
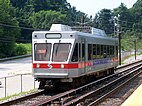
(140, 53)
(129, 57)
(126, 58)
(17, 95)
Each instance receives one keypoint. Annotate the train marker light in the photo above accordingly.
(37, 65)
(62, 65)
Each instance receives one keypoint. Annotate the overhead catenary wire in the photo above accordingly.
(12, 26)
(9, 38)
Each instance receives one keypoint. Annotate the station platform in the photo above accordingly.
(135, 99)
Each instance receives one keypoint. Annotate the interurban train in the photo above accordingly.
(66, 57)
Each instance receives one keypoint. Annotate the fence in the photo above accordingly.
(126, 53)
(16, 84)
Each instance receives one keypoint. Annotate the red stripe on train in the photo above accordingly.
(71, 65)
(42, 65)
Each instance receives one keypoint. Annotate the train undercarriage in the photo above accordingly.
(59, 84)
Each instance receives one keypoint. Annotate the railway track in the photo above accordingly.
(88, 95)
(100, 92)
(23, 98)
(119, 97)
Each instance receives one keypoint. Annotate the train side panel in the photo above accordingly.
(64, 56)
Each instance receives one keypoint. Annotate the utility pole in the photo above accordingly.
(135, 46)
(119, 42)
(119, 38)
(82, 21)
(114, 27)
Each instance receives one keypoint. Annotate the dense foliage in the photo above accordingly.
(103, 21)
(129, 21)
(20, 17)
(9, 34)
(43, 19)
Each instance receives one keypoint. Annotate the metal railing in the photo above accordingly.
(17, 83)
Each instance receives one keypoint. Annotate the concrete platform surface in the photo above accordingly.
(135, 99)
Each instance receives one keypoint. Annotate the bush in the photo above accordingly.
(28, 47)
(20, 49)
(6, 48)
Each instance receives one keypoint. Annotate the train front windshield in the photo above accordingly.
(42, 51)
(60, 52)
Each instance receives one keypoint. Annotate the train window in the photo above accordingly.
(75, 54)
(94, 51)
(42, 51)
(61, 52)
(102, 50)
(108, 52)
(111, 51)
(116, 51)
(83, 52)
(98, 51)
(105, 51)
(89, 51)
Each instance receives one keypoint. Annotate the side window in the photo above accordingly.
(83, 52)
(116, 51)
(75, 54)
(89, 51)
(107, 49)
(105, 52)
(98, 51)
(102, 51)
(112, 51)
(94, 51)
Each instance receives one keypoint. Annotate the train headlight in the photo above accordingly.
(37, 65)
(62, 65)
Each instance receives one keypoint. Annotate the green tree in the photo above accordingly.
(103, 20)
(125, 17)
(28, 8)
(44, 19)
(9, 33)
(136, 11)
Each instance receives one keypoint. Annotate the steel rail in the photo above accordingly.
(126, 65)
(95, 102)
(28, 96)
(99, 100)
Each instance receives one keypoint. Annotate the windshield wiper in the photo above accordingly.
(57, 48)
(46, 48)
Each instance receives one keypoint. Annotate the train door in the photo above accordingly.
(83, 55)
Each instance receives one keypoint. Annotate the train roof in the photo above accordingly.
(86, 29)
(59, 28)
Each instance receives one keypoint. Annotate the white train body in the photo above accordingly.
(67, 54)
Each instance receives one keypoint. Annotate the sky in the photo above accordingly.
(91, 7)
